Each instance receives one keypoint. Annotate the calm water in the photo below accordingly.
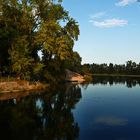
(106, 109)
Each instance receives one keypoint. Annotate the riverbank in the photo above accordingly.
(74, 77)
(20, 85)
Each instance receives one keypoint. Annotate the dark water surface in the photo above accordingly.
(106, 109)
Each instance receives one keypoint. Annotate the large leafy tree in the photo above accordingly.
(30, 26)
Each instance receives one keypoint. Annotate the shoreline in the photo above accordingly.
(21, 86)
(26, 86)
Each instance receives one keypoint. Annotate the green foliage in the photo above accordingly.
(38, 67)
(73, 63)
(20, 57)
(27, 27)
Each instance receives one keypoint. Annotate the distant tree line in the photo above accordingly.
(32, 27)
(130, 68)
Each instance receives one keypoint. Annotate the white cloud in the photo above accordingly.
(123, 3)
(97, 15)
(109, 23)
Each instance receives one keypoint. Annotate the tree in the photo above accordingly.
(73, 63)
(111, 69)
(129, 66)
(30, 26)
(20, 58)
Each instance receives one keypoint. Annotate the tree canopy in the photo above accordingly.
(31, 26)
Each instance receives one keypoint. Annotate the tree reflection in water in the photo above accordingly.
(47, 116)
(113, 80)
(110, 80)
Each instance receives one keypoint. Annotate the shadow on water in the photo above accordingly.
(41, 116)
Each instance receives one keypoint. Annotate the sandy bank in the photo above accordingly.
(21, 85)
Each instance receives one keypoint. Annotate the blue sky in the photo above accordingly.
(109, 30)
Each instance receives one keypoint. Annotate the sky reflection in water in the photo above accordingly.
(109, 109)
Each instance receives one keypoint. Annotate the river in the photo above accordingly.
(105, 109)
